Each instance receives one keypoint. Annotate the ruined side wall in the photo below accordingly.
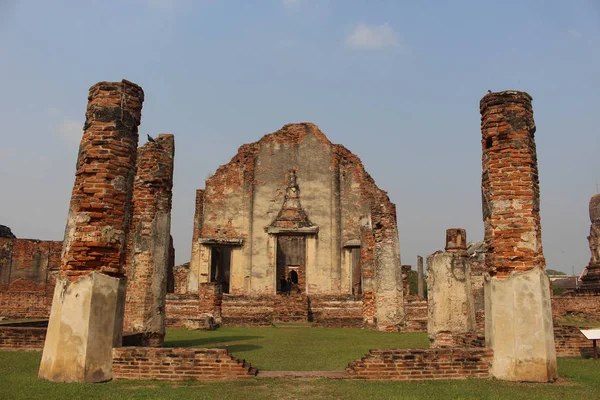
(28, 270)
(150, 239)
(356, 196)
(227, 215)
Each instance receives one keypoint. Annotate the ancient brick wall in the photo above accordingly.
(100, 208)
(336, 311)
(570, 342)
(181, 276)
(22, 338)
(185, 310)
(587, 307)
(510, 185)
(149, 241)
(28, 270)
(422, 364)
(178, 364)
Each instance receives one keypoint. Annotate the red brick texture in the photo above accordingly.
(149, 239)
(178, 364)
(510, 188)
(99, 212)
(422, 364)
(22, 338)
(587, 307)
(570, 342)
(192, 310)
(28, 270)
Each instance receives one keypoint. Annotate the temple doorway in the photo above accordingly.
(291, 261)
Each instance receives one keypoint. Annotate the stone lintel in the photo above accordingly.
(307, 230)
(225, 242)
(352, 243)
(518, 326)
(86, 322)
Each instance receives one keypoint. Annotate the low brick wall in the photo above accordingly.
(581, 306)
(22, 338)
(178, 364)
(341, 311)
(570, 342)
(240, 310)
(422, 364)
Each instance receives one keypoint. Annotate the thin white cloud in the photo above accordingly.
(573, 33)
(162, 4)
(70, 130)
(372, 37)
(52, 111)
(290, 4)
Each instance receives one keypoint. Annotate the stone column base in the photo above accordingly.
(86, 322)
(518, 327)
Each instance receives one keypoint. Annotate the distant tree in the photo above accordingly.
(554, 272)
(414, 285)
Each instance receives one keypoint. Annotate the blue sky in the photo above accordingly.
(398, 83)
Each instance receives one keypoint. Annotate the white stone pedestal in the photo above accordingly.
(86, 322)
(518, 327)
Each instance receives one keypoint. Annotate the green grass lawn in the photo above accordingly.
(296, 348)
(311, 349)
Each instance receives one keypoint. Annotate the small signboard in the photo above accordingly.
(593, 335)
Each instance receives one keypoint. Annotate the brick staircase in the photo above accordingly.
(416, 316)
(292, 308)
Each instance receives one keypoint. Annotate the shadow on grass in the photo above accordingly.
(208, 342)
(240, 347)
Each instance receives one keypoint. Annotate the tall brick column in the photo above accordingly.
(87, 308)
(450, 309)
(591, 280)
(389, 293)
(518, 316)
(196, 259)
(150, 240)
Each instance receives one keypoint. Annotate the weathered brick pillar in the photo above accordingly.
(420, 286)
(389, 293)
(150, 241)
(518, 321)
(196, 260)
(591, 280)
(451, 314)
(405, 275)
(87, 308)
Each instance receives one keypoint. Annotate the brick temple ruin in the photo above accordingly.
(292, 229)
(295, 209)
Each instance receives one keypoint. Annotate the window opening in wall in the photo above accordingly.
(356, 271)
